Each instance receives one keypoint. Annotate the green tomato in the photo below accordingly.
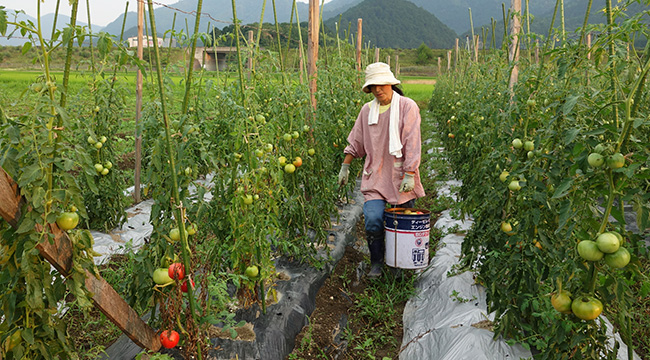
(514, 185)
(252, 272)
(192, 229)
(99, 145)
(67, 220)
(616, 161)
(175, 234)
(91, 141)
(562, 301)
(268, 148)
(99, 167)
(247, 199)
(287, 137)
(103, 139)
(529, 145)
(282, 160)
(260, 118)
(108, 165)
(311, 152)
(587, 307)
(595, 160)
(504, 176)
(105, 171)
(517, 144)
(289, 168)
(618, 259)
(295, 135)
(161, 276)
(259, 152)
(608, 243)
(588, 250)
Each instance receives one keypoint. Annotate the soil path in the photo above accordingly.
(421, 81)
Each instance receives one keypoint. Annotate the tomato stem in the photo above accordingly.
(610, 202)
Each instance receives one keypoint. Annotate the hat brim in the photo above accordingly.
(366, 86)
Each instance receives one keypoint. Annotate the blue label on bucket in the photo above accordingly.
(408, 223)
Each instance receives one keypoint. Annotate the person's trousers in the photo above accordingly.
(373, 212)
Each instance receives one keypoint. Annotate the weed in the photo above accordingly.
(455, 296)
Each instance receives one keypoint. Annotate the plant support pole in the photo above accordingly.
(172, 163)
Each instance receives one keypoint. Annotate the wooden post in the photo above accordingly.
(138, 108)
(397, 65)
(376, 54)
(537, 51)
(448, 60)
(359, 44)
(515, 29)
(312, 48)
(388, 60)
(59, 254)
(457, 50)
(439, 65)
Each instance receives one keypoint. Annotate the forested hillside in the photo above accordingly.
(395, 24)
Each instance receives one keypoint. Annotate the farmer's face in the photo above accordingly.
(383, 93)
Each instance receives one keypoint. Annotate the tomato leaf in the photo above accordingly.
(563, 189)
(26, 47)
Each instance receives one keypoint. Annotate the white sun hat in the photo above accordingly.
(379, 74)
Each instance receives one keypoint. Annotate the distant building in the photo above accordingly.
(148, 41)
(211, 58)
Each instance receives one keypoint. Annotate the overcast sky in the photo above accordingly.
(102, 12)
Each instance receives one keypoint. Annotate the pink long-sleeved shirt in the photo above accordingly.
(383, 172)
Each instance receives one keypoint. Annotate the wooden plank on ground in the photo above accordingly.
(59, 254)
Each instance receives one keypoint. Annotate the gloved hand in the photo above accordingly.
(408, 183)
(344, 173)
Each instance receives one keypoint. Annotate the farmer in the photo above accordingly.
(387, 133)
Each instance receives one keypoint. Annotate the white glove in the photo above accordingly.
(344, 173)
(408, 183)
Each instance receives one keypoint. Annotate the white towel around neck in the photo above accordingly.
(394, 143)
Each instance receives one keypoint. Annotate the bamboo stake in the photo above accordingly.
(471, 23)
(359, 44)
(312, 49)
(515, 28)
(397, 65)
(277, 35)
(249, 61)
(172, 161)
(563, 23)
(439, 65)
(68, 56)
(138, 108)
(448, 60)
(256, 48)
(190, 70)
(376, 54)
(239, 60)
(302, 50)
(457, 52)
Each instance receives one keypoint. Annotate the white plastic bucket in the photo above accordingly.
(407, 237)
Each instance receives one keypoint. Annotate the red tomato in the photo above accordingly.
(184, 286)
(176, 271)
(169, 339)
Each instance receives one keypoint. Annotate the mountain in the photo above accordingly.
(216, 12)
(574, 14)
(395, 24)
(46, 24)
